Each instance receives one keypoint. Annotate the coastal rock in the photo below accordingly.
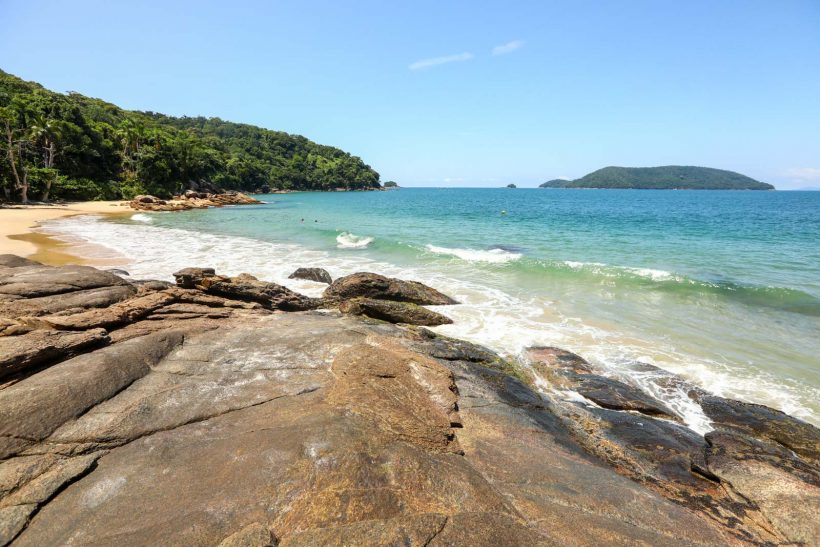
(42, 347)
(394, 312)
(191, 200)
(223, 421)
(14, 261)
(571, 371)
(253, 535)
(371, 285)
(38, 280)
(785, 488)
(312, 274)
(246, 288)
(764, 423)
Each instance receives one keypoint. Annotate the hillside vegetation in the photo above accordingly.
(69, 146)
(671, 177)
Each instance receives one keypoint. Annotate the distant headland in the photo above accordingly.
(670, 177)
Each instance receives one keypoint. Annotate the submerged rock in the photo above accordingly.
(312, 274)
(371, 285)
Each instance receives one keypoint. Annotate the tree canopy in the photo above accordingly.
(69, 146)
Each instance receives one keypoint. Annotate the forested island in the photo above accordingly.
(670, 177)
(73, 147)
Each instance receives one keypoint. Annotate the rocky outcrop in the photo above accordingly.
(245, 288)
(571, 371)
(371, 285)
(745, 474)
(191, 200)
(393, 312)
(319, 275)
(207, 419)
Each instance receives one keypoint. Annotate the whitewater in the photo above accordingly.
(517, 290)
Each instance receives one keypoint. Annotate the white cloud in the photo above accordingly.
(509, 47)
(435, 61)
(805, 174)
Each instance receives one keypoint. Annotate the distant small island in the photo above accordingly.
(512, 186)
(391, 184)
(670, 177)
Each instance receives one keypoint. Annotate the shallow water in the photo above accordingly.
(720, 287)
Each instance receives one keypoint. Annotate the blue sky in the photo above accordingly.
(459, 93)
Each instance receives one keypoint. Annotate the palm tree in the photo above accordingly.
(47, 132)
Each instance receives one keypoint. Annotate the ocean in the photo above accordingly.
(720, 287)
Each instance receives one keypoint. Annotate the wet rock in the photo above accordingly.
(370, 285)
(570, 371)
(41, 347)
(312, 274)
(764, 423)
(393, 312)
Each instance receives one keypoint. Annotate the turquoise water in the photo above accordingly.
(722, 287)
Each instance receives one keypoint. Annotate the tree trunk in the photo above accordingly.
(51, 152)
(10, 141)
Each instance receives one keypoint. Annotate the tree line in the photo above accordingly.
(73, 147)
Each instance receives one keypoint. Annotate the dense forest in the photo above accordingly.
(72, 147)
(670, 177)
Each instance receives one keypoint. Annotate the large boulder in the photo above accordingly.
(312, 274)
(371, 285)
(394, 312)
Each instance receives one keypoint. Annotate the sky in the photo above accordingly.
(459, 93)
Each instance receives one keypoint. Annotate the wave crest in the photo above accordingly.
(349, 240)
(496, 256)
(142, 217)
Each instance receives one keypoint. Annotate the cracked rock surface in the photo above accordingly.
(202, 420)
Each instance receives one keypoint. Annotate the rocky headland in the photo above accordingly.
(233, 411)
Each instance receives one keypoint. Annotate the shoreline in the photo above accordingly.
(21, 233)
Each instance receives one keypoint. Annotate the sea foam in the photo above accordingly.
(499, 318)
(349, 240)
(477, 255)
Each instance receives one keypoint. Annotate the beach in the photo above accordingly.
(20, 234)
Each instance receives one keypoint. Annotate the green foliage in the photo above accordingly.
(671, 177)
(76, 147)
(391, 184)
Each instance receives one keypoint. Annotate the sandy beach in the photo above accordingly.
(19, 232)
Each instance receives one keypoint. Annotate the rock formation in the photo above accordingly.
(191, 200)
(312, 274)
(202, 414)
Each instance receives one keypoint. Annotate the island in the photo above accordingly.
(512, 186)
(670, 177)
(391, 184)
